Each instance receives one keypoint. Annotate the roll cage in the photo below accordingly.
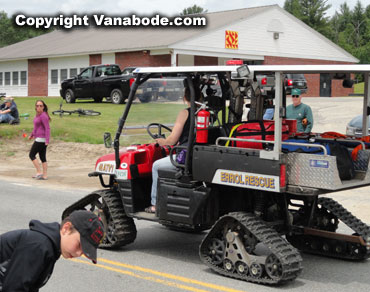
(231, 84)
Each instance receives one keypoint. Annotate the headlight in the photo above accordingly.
(350, 131)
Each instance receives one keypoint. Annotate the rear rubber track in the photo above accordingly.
(289, 257)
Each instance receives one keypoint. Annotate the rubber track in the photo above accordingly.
(289, 256)
(347, 218)
(301, 241)
(125, 230)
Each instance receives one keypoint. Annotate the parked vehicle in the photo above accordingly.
(255, 186)
(267, 84)
(168, 88)
(295, 81)
(97, 82)
(354, 127)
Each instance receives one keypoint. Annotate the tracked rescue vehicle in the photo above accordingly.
(257, 187)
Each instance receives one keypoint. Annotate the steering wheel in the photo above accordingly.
(159, 127)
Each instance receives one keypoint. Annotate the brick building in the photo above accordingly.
(262, 35)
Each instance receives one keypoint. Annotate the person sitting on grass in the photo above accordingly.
(9, 112)
(27, 256)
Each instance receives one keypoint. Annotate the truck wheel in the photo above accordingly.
(98, 99)
(145, 97)
(70, 96)
(116, 96)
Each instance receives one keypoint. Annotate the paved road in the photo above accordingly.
(159, 259)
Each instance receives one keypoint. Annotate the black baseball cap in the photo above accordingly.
(91, 231)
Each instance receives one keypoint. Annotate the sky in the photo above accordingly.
(140, 7)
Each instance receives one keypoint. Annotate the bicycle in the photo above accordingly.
(81, 112)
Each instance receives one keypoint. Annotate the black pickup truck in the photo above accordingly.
(97, 82)
(109, 81)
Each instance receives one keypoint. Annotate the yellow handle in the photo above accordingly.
(231, 134)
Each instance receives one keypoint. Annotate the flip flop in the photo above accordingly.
(41, 178)
(37, 176)
(150, 209)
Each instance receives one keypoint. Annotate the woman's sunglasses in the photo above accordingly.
(295, 96)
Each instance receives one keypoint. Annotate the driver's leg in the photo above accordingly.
(160, 163)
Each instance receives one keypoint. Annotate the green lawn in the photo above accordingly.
(359, 88)
(76, 128)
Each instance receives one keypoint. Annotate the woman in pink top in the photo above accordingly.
(41, 133)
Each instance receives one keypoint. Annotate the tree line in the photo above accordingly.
(348, 28)
(10, 33)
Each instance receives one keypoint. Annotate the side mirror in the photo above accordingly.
(107, 140)
(243, 71)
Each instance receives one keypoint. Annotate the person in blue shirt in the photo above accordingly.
(269, 114)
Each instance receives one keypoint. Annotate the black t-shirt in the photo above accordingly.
(185, 131)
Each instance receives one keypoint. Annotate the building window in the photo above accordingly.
(15, 78)
(1, 78)
(23, 77)
(63, 74)
(7, 78)
(54, 76)
(72, 72)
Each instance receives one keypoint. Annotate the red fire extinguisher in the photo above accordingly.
(202, 125)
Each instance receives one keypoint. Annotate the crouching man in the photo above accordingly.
(27, 256)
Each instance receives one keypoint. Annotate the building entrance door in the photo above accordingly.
(325, 85)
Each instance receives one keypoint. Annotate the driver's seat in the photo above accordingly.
(169, 173)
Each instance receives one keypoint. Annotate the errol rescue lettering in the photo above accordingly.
(247, 180)
(252, 180)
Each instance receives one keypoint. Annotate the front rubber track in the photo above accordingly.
(119, 228)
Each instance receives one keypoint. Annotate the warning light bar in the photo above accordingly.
(234, 62)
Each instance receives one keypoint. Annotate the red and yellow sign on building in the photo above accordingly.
(231, 39)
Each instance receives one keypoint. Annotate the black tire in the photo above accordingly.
(117, 96)
(145, 97)
(90, 113)
(120, 229)
(70, 96)
(98, 99)
(62, 113)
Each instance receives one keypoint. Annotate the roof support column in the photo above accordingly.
(173, 58)
(365, 122)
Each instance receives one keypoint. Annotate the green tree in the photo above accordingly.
(195, 9)
(359, 22)
(10, 33)
(350, 29)
(314, 15)
(293, 7)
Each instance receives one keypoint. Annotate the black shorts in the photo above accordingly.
(40, 148)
